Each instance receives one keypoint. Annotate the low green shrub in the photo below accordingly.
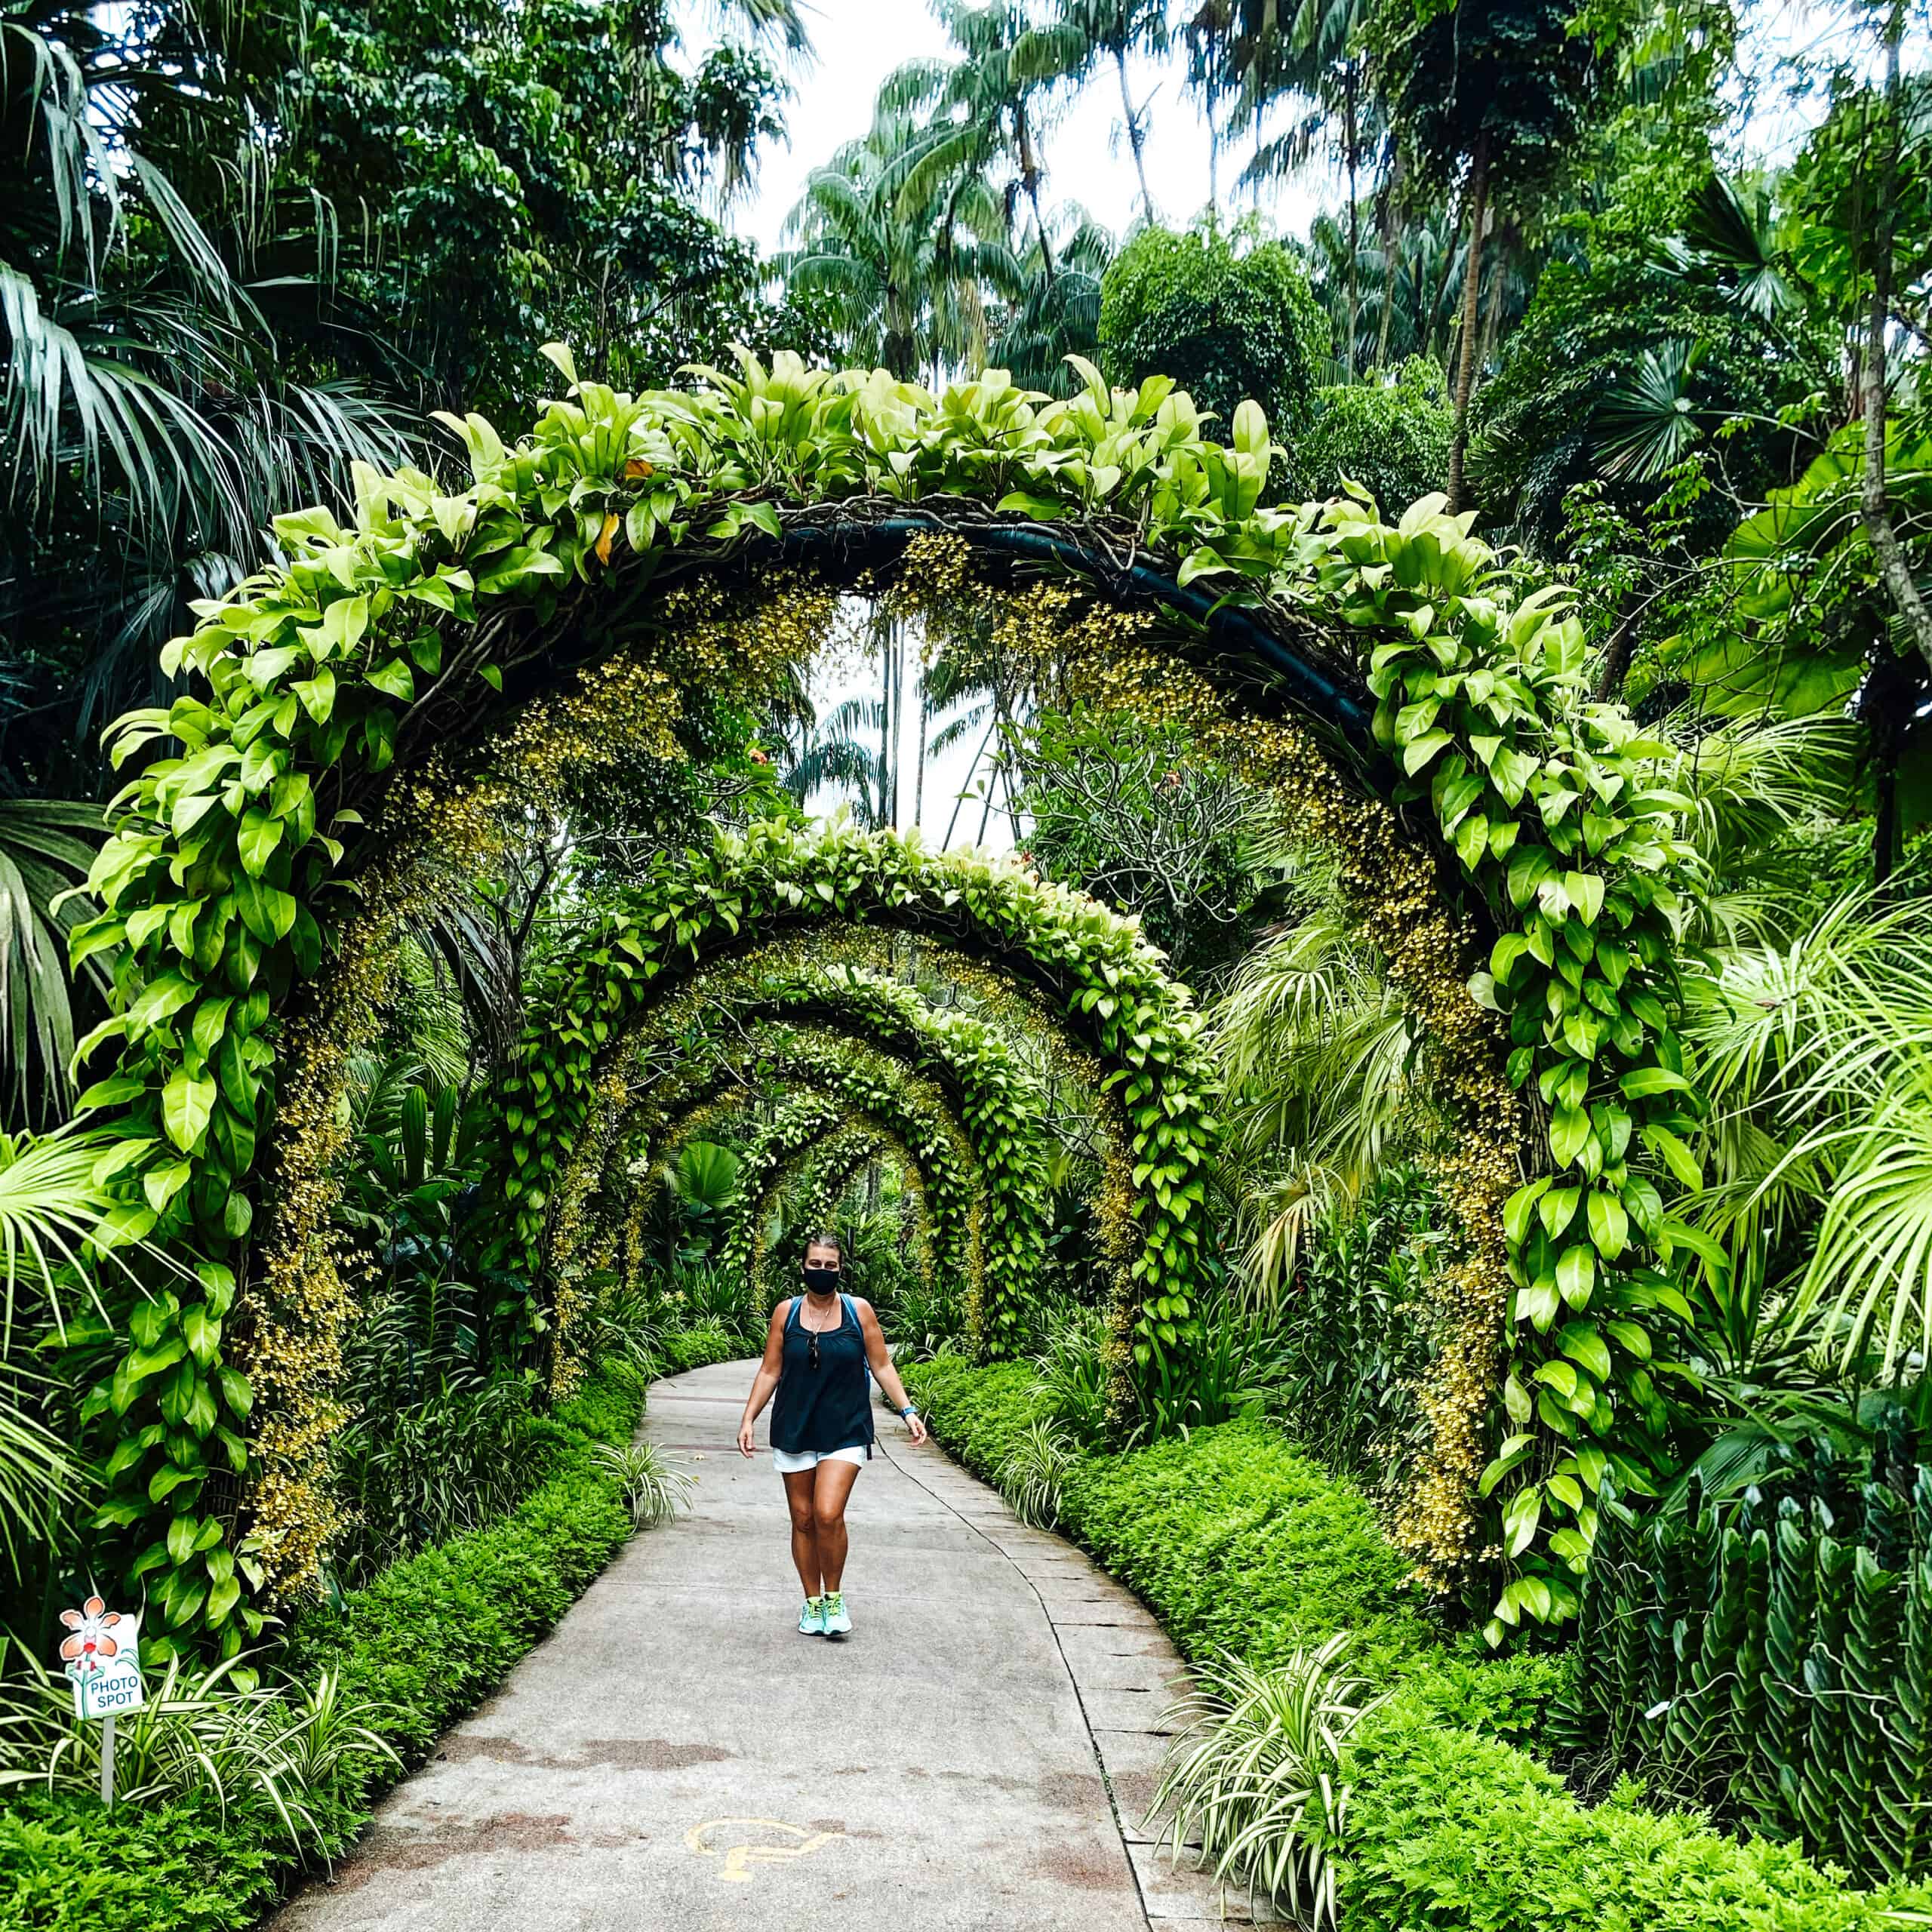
(1239, 1543)
(1242, 1545)
(1234, 1540)
(189, 1865)
(701, 1345)
(1452, 1830)
(979, 1414)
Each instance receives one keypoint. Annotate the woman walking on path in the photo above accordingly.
(815, 1353)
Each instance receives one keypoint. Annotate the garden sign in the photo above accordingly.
(101, 1654)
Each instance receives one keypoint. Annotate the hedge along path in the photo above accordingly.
(998, 1107)
(449, 653)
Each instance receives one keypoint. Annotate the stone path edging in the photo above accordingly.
(1116, 1655)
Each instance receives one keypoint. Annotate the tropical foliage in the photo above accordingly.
(1425, 1132)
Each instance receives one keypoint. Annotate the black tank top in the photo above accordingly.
(826, 1407)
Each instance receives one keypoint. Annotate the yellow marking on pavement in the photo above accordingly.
(715, 1838)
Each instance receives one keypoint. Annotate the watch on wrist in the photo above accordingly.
(907, 1413)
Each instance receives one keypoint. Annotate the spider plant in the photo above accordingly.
(1254, 1779)
(1072, 1381)
(1033, 1473)
(213, 1732)
(656, 1487)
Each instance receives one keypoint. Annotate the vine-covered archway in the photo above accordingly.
(811, 1187)
(826, 1083)
(714, 903)
(354, 713)
(713, 1019)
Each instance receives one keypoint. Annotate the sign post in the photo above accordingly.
(101, 1655)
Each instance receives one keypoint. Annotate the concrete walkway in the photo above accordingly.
(674, 1758)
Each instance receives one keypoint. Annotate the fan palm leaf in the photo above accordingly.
(45, 855)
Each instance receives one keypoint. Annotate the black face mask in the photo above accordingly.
(821, 1280)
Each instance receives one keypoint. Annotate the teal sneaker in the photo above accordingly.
(811, 1618)
(837, 1623)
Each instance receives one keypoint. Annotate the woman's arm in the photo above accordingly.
(880, 1358)
(766, 1380)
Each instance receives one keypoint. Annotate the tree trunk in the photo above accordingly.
(1385, 220)
(1874, 510)
(1029, 174)
(1214, 160)
(1895, 689)
(1465, 368)
(1618, 652)
(1350, 136)
(898, 716)
(952, 823)
(919, 767)
(1492, 320)
(1136, 134)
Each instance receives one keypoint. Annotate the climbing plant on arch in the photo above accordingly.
(963, 1215)
(809, 1128)
(999, 1108)
(813, 1187)
(332, 685)
(757, 886)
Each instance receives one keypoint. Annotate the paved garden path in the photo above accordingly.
(675, 1758)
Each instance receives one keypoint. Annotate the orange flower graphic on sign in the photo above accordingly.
(92, 1641)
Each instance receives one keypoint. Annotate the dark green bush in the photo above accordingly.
(184, 1867)
(180, 1866)
(1238, 1542)
(1226, 321)
(1359, 1332)
(1393, 439)
(1788, 1685)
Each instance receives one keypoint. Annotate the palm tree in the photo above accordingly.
(54, 1213)
(154, 417)
(906, 286)
(45, 855)
(1314, 55)
(704, 1182)
(1317, 1058)
(982, 112)
(1055, 314)
(832, 752)
(1083, 34)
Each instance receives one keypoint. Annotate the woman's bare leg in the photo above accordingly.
(805, 1529)
(834, 1484)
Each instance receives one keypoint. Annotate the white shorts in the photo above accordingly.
(790, 1462)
